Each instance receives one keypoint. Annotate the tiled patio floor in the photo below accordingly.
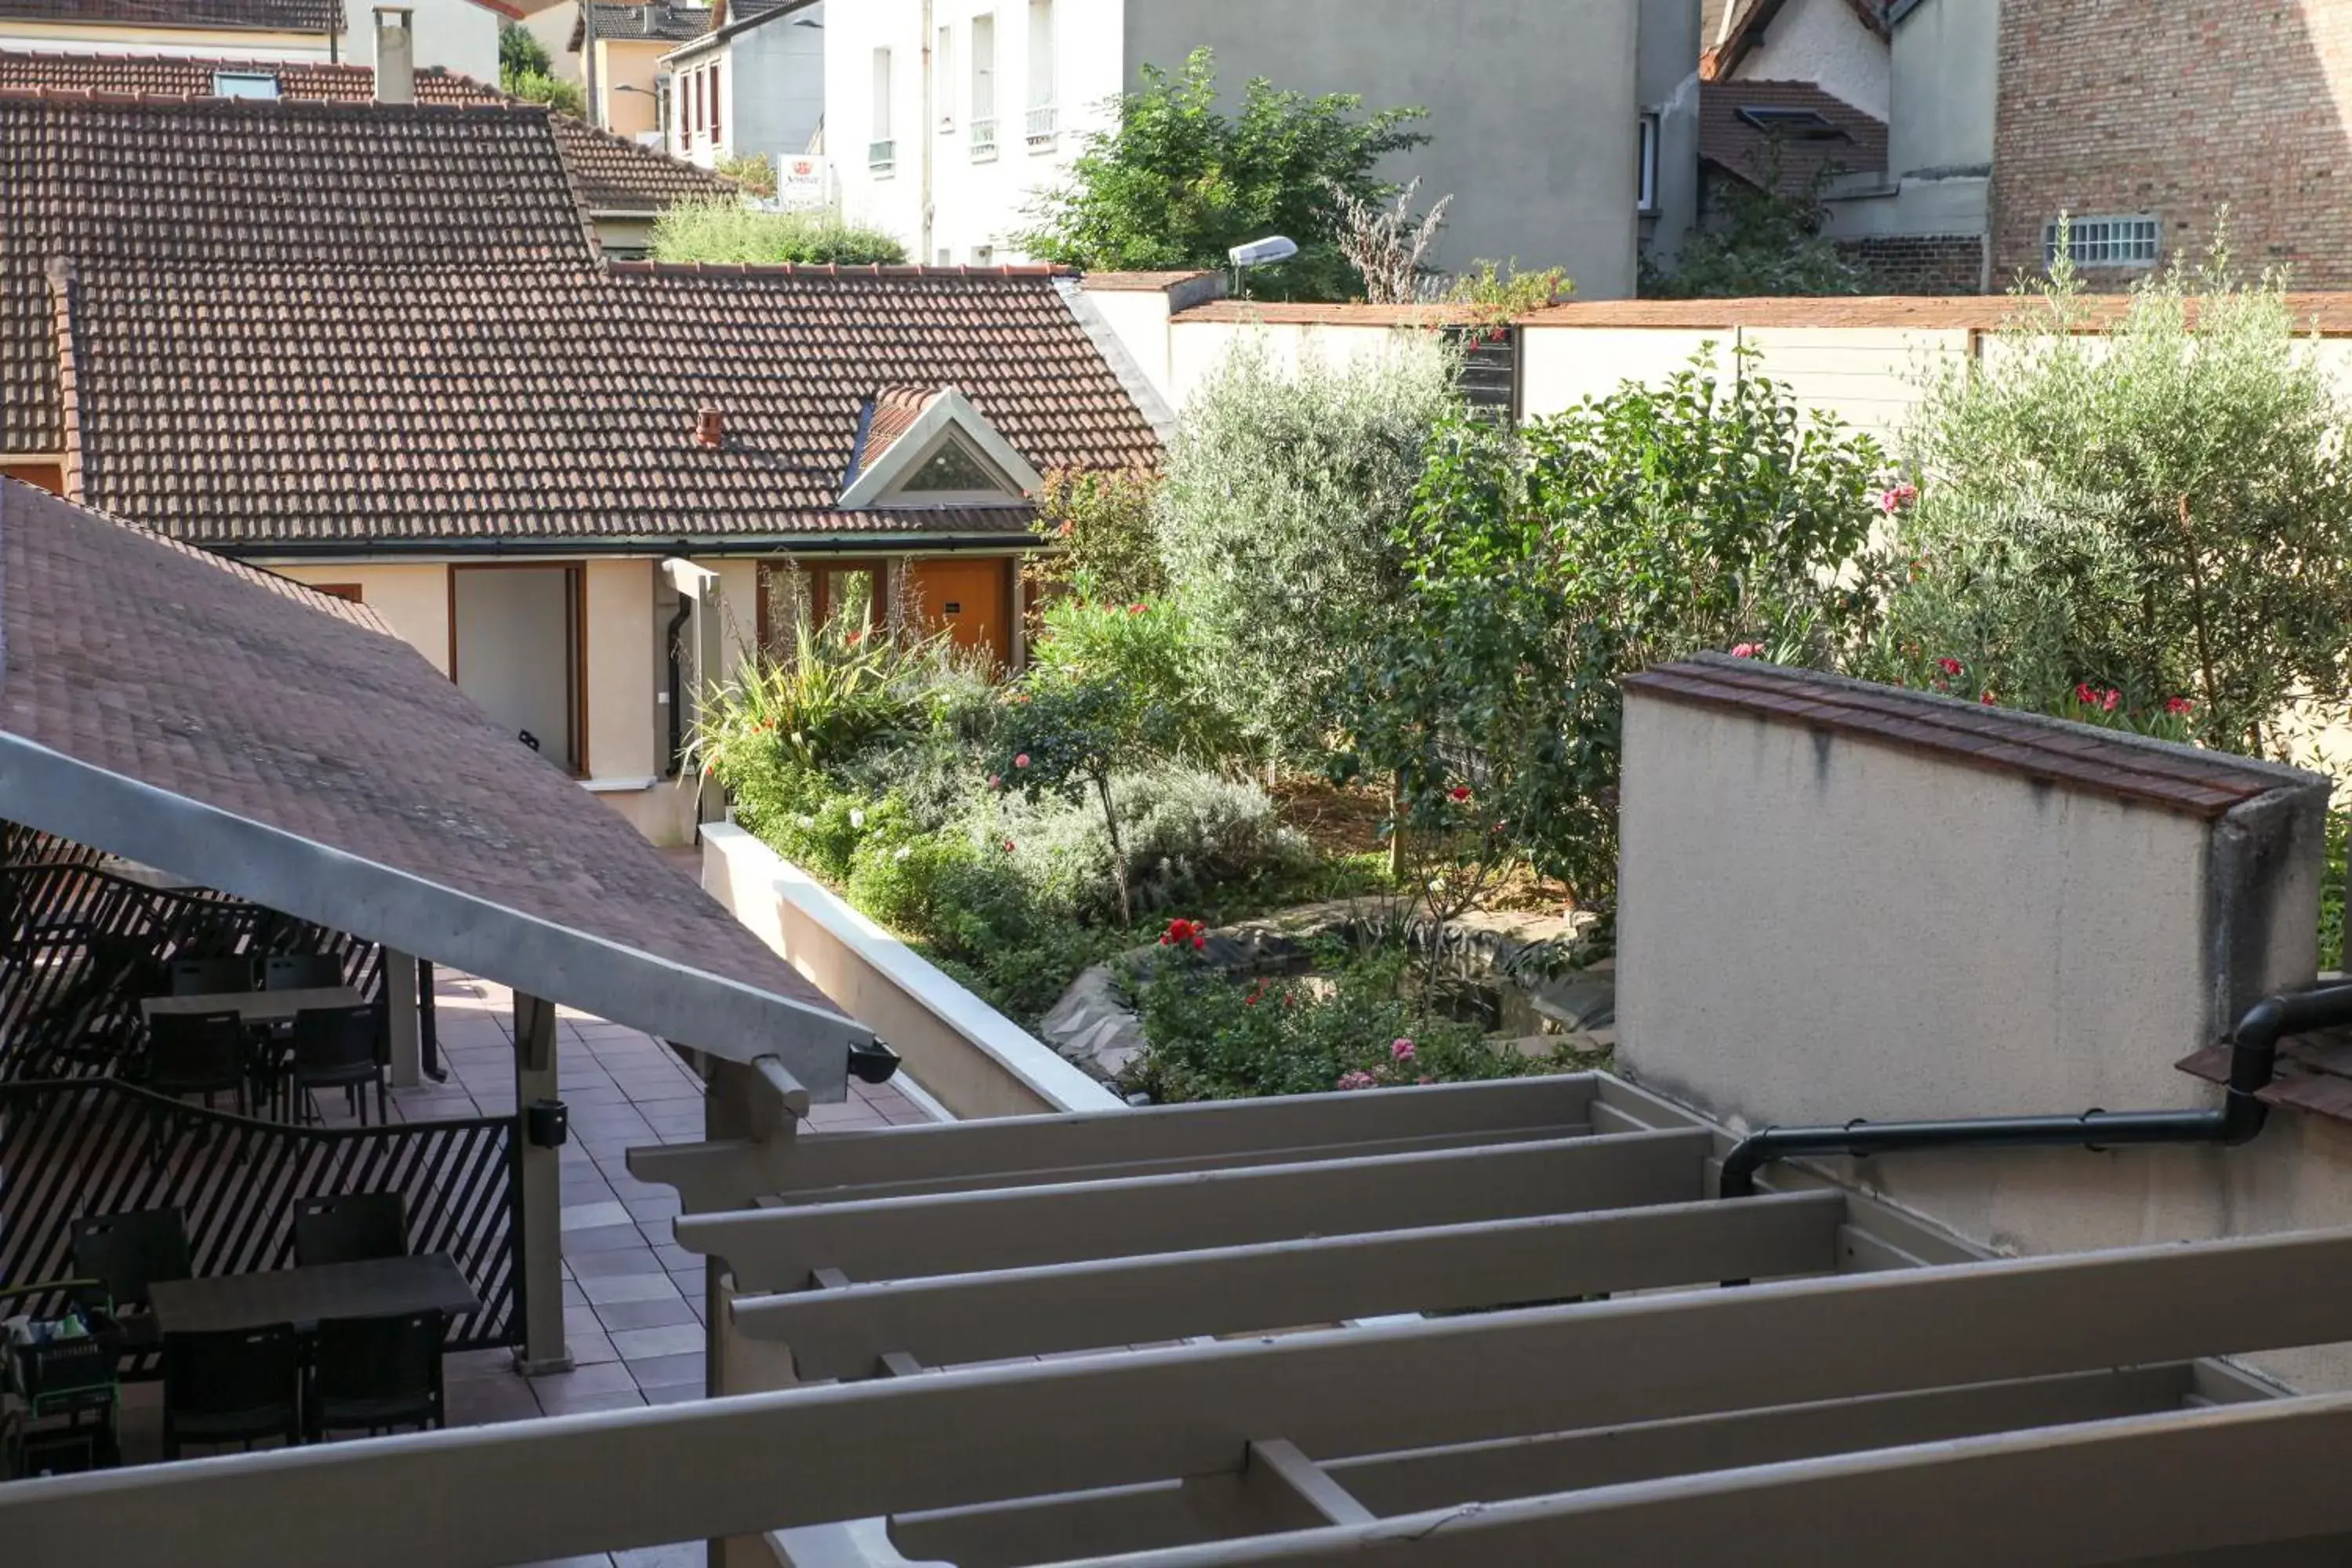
(632, 1299)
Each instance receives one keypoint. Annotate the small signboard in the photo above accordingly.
(801, 181)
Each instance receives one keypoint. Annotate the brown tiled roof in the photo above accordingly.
(350, 191)
(1742, 148)
(249, 407)
(655, 21)
(2072, 757)
(263, 15)
(895, 409)
(229, 688)
(613, 175)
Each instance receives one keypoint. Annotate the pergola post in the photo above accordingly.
(403, 1021)
(540, 1175)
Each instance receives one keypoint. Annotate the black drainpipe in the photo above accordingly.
(678, 686)
(2253, 1053)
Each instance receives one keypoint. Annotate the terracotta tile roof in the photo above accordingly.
(2072, 757)
(613, 175)
(263, 15)
(286, 707)
(243, 407)
(1280, 313)
(1741, 147)
(2314, 1074)
(354, 191)
(895, 409)
(655, 21)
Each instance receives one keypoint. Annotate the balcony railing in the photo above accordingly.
(1044, 121)
(983, 140)
(881, 157)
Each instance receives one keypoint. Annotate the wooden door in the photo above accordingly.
(972, 598)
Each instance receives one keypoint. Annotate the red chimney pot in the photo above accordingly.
(710, 428)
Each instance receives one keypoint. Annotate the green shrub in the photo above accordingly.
(2163, 509)
(1100, 526)
(755, 172)
(1283, 494)
(537, 86)
(721, 230)
(1212, 1037)
(898, 881)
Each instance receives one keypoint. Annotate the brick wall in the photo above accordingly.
(1920, 263)
(2175, 108)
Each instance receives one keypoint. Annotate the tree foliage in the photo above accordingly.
(1099, 523)
(2163, 510)
(526, 72)
(1544, 565)
(1765, 240)
(1177, 181)
(723, 229)
(1278, 521)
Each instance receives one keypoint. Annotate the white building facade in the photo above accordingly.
(752, 87)
(947, 119)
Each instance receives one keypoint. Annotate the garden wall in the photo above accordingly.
(1861, 359)
(972, 1059)
(1840, 900)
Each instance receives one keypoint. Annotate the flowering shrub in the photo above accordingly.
(1211, 1037)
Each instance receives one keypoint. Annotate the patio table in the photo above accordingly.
(255, 1006)
(371, 1288)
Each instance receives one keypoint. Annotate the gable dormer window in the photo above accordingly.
(917, 447)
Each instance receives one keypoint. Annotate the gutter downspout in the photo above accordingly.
(928, 133)
(2253, 1054)
(678, 686)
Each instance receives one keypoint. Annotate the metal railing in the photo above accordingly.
(983, 140)
(882, 157)
(72, 1147)
(1045, 120)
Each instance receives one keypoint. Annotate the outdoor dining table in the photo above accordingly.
(255, 1006)
(371, 1287)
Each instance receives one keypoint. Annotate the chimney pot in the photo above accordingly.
(396, 54)
(709, 426)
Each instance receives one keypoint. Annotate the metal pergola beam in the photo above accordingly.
(813, 1455)
(890, 1239)
(845, 1332)
(2148, 1489)
(1158, 1515)
(944, 1157)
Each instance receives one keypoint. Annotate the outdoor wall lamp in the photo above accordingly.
(873, 1062)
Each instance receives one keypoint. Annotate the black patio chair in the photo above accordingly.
(375, 1375)
(125, 1254)
(211, 976)
(301, 971)
(197, 1053)
(231, 1386)
(339, 1047)
(349, 1227)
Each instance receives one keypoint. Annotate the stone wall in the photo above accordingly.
(1938, 264)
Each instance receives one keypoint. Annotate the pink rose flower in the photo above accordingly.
(1401, 1050)
(1747, 650)
(1022, 761)
(1358, 1080)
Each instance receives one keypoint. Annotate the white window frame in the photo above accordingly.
(1043, 122)
(1645, 179)
(982, 105)
(2106, 241)
(881, 147)
(261, 86)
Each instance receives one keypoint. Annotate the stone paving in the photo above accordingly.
(632, 1299)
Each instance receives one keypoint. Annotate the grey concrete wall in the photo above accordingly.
(1666, 82)
(1533, 108)
(1946, 61)
(1815, 928)
(779, 87)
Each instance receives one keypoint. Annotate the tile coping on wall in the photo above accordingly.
(988, 1031)
(2122, 766)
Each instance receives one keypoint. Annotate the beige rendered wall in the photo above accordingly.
(1138, 318)
(1197, 347)
(414, 600)
(1815, 928)
(626, 63)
